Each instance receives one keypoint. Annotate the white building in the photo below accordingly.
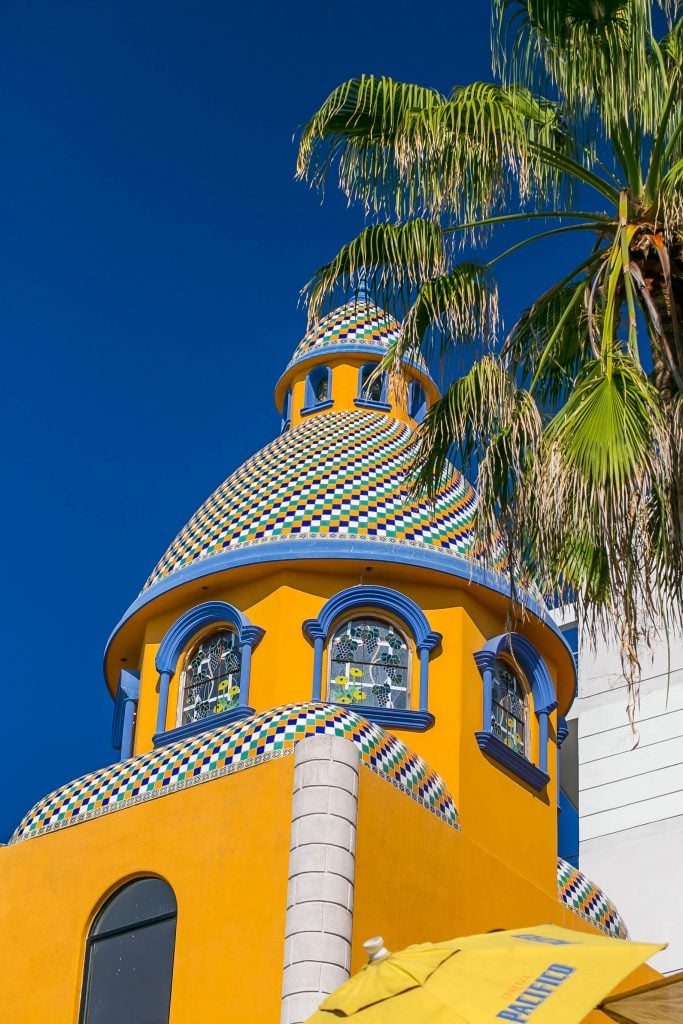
(629, 790)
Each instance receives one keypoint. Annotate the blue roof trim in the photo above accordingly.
(341, 547)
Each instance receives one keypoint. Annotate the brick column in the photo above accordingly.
(321, 874)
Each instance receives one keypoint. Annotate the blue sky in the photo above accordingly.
(154, 243)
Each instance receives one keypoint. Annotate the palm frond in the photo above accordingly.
(393, 259)
(605, 437)
(551, 341)
(457, 308)
(401, 150)
(598, 56)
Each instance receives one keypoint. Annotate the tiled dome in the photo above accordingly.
(358, 325)
(340, 474)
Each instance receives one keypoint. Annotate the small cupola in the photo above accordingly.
(334, 368)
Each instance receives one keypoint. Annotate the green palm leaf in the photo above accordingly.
(578, 453)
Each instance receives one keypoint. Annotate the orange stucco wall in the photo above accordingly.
(223, 846)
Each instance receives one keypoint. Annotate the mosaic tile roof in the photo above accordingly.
(338, 474)
(233, 748)
(355, 324)
(588, 901)
(275, 733)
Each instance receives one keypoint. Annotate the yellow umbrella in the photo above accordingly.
(660, 1002)
(542, 975)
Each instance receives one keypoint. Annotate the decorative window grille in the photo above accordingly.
(369, 665)
(509, 708)
(211, 682)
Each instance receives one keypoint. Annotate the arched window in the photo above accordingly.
(509, 707)
(371, 391)
(129, 956)
(369, 664)
(318, 388)
(211, 679)
(519, 697)
(417, 401)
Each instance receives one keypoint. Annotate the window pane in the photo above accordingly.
(508, 709)
(129, 976)
(141, 900)
(372, 392)
(369, 665)
(212, 677)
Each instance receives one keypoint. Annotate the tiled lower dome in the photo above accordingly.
(588, 901)
(233, 748)
(337, 474)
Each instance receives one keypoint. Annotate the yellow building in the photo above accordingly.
(326, 731)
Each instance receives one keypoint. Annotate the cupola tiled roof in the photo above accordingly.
(340, 474)
(359, 324)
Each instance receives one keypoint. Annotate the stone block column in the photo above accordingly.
(321, 874)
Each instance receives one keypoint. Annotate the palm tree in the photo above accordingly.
(572, 421)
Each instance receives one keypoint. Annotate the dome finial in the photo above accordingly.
(361, 287)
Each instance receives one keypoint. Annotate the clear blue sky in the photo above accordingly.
(153, 246)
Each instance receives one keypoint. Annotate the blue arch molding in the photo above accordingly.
(542, 694)
(343, 548)
(386, 600)
(177, 636)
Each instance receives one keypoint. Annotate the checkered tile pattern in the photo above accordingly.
(337, 474)
(229, 749)
(579, 894)
(350, 326)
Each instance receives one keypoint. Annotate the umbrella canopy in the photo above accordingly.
(542, 975)
(660, 1002)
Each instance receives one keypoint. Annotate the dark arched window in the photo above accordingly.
(129, 956)
(417, 401)
(318, 387)
(372, 389)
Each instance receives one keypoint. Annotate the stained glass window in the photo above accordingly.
(369, 665)
(509, 708)
(212, 676)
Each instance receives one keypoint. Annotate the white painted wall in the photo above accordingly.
(631, 796)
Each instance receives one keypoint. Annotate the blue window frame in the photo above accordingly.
(510, 667)
(318, 391)
(221, 705)
(352, 612)
(372, 394)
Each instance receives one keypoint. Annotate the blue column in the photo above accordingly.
(164, 681)
(318, 645)
(245, 672)
(487, 676)
(424, 678)
(543, 741)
